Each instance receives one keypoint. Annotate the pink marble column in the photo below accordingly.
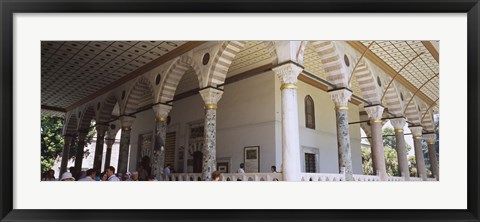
(123, 155)
(97, 160)
(417, 142)
(80, 150)
(398, 125)
(375, 114)
(65, 153)
(432, 154)
(288, 74)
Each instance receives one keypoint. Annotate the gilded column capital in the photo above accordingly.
(161, 111)
(211, 96)
(398, 123)
(341, 97)
(288, 73)
(416, 131)
(375, 113)
(127, 122)
(431, 138)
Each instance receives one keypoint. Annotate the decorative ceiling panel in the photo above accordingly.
(73, 70)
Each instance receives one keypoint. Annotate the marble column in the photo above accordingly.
(108, 154)
(67, 141)
(288, 74)
(123, 155)
(97, 159)
(210, 96)
(158, 160)
(432, 153)
(340, 98)
(417, 142)
(79, 152)
(398, 125)
(375, 113)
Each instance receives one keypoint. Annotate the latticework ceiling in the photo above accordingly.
(73, 70)
(422, 72)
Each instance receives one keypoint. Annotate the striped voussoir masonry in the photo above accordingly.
(412, 113)
(87, 115)
(106, 109)
(393, 101)
(367, 84)
(140, 91)
(173, 76)
(331, 61)
(71, 125)
(427, 121)
(222, 61)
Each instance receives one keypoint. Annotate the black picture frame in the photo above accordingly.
(9, 7)
(257, 157)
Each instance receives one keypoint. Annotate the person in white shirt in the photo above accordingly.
(241, 170)
(111, 174)
(90, 175)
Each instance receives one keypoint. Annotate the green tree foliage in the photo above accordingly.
(391, 161)
(390, 140)
(367, 165)
(52, 141)
(412, 164)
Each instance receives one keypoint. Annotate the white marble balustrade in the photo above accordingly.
(251, 177)
(395, 179)
(365, 178)
(322, 177)
(184, 177)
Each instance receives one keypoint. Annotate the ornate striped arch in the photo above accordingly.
(221, 62)
(393, 101)
(71, 124)
(427, 121)
(367, 83)
(332, 63)
(140, 91)
(411, 112)
(173, 76)
(88, 114)
(107, 108)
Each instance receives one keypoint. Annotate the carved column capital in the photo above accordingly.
(127, 122)
(211, 96)
(416, 131)
(161, 111)
(375, 113)
(398, 123)
(431, 138)
(101, 129)
(287, 73)
(340, 98)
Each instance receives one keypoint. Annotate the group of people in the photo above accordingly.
(143, 174)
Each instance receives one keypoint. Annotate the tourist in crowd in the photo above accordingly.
(167, 171)
(135, 176)
(274, 169)
(67, 176)
(152, 178)
(111, 174)
(142, 173)
(216, 176)
(49, 175)
(127, 177)
(103, 176)
(241, 169)
(90, 175)
(82, 174)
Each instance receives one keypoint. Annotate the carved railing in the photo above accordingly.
(322, 177)
(366, 178)
(396, 179)
(251, 177)
(183, 177)
(415, 179)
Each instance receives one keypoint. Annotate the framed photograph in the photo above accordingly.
(252, 159)
(105, 46)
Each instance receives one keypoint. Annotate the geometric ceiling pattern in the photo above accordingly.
(72, 70)
(422, 72)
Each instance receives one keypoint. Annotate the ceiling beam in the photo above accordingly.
(433, 51)
(53, 108)
(149, 66)
(389, 70)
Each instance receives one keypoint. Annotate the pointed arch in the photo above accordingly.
(88, 114)
(367, 83)
(394, 103)
(309, 112)
(411, 111)
(140, 91)
(173, 76)
(71, 124)
(221, 62)
(107, 108)
(332, 62)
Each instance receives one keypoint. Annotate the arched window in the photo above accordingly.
(309, 113)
